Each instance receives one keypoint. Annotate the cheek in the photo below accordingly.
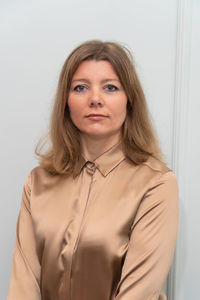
(119, 109)
(74, 106)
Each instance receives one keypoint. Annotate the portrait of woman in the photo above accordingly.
(99, 214)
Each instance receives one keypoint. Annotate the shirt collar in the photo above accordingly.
(106, 161)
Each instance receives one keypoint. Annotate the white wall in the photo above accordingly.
(36, 36)
(187, 150)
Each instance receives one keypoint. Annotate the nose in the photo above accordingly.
(95, 98)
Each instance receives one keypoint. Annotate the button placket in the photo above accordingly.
(90, 169)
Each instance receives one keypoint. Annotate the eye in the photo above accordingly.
(79, 88)
(111, 88)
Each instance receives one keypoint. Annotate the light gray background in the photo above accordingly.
(36, 37)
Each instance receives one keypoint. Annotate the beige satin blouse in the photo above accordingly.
(108, 234)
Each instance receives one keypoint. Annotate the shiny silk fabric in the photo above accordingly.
(107, 234)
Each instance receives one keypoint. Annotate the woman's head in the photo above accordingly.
(119, 58)
(136, 130)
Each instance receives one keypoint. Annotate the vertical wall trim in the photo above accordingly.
(180, 126)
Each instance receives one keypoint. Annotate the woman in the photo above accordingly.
(99, 215)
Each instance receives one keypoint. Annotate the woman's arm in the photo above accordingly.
(25, 273)
(152, 242)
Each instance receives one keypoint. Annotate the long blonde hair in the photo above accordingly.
(138, 136)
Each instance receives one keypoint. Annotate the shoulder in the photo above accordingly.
(36, 172)
(155, 165)
(38, 177)
(150, 173)
(159, 172)
(39, 171)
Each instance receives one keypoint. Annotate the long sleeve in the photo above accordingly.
(152, 242)
(25, 273)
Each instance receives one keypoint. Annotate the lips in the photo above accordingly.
(96, 115)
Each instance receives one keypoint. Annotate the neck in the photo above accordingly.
(92, 147)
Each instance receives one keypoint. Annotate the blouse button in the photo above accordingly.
(91, 167)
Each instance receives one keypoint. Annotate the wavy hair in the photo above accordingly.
(139, 138)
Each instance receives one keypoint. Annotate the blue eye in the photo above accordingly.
(79, 88)
(111, 88)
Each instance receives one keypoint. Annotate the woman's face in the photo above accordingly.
(97, 100)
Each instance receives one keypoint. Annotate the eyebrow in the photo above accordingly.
(88, 81)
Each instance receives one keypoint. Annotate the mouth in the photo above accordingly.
(95, 115)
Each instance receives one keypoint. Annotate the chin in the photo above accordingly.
(99, 134)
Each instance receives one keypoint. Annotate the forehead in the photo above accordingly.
(93, 68)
